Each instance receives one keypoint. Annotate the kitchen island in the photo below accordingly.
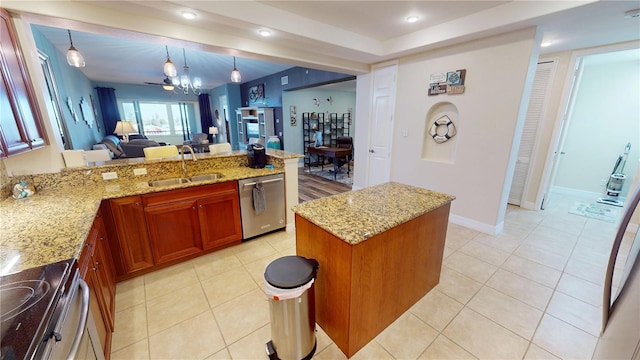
(380, 251)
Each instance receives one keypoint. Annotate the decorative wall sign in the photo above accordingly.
(450, 83)
(256, 94)
(292, 113)
(71, 109)
(87, 111)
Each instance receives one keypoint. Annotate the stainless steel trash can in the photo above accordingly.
(289, 287)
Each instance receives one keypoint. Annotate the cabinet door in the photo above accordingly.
(220, 220)
(131, 232)
(21, 124)
(105, 286)
(173, 230)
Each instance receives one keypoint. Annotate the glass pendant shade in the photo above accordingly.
(169, 69)
(74, 58)
(235, 74)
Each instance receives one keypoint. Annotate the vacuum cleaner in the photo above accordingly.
(616, 180)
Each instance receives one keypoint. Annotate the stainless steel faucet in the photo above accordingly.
(184, 164)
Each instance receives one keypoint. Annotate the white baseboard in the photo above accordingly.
(476, 225)
(576, 192)
(529, 205)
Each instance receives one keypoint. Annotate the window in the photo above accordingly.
(157, 118)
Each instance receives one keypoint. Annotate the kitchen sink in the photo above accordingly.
(205, 177)
(168, 182)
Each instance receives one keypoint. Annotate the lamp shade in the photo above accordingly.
(74, 58)
(124, 128)
(235, 74)
(213, 130)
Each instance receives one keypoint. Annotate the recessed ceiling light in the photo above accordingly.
(412, 18)
(264, 32)
(188, 15)
(545, 44)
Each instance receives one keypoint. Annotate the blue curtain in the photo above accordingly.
(108, 108)
(206, 119)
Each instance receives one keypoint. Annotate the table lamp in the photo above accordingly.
(124, 128)
(213, 131)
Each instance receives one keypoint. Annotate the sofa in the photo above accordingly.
(120, 149)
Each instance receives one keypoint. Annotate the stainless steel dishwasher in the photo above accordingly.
(262, 205)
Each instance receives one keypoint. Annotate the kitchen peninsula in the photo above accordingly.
(380, 251)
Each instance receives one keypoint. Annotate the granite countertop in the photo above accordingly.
(52, 225)
(356, 216)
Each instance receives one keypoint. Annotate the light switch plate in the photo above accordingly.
(109, 175)
(140, 171)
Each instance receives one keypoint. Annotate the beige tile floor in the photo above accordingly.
(532, 292)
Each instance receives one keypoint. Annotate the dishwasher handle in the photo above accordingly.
(264, 182)
(84, 314)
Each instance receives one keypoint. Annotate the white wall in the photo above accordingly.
(303, 101)
(498, 69)
(605, 117)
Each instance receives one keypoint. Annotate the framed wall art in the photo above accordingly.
(256, 94)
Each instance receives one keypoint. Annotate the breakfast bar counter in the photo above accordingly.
(380, 251)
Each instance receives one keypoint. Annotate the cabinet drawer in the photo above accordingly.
(189, 193)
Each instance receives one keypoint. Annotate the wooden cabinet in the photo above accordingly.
(173, 230)
(96, 268)
(185, 222)
(254, 122)
(150, 231)
(21, 126)
(130, 248)
(219, 215)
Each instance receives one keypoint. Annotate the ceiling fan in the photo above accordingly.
(166, 83)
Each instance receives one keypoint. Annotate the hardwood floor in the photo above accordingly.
(314, 187)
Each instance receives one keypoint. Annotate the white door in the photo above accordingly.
(535, 113)
(561, 129)
(381, 127)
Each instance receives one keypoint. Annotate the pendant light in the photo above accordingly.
(169, 69)
(235, 74)
(184, 82)
(74, 58)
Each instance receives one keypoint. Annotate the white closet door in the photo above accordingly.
(535, 112)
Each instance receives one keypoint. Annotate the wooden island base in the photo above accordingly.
(361, 289)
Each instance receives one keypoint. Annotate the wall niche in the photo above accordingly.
(441, 133)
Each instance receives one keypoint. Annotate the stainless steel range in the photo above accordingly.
(28, 300)
(44, 314)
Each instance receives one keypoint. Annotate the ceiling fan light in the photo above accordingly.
(235, 74)
(168, 87)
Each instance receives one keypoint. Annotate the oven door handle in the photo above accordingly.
(84, 314)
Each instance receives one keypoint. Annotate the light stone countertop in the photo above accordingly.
(356, 216)
(52, 225)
